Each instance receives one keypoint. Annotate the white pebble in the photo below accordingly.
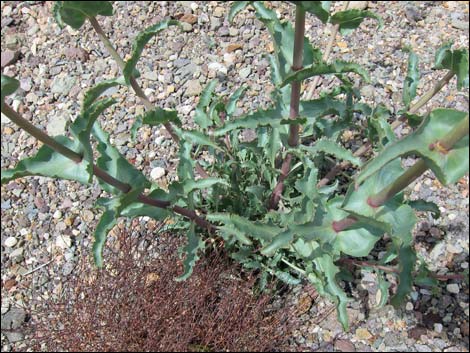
(452, 216)
(453, 288)
(63, 242)
(157, 173)
(409, 306)
(438, 327)
(10, 242)
(57, 214)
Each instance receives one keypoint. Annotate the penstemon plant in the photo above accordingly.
(273, 201)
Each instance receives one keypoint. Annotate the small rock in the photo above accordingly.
(9, 57)
(217, 67)
(63, 242)
(57, 125)
(360, 5)
(223, 31)
(14, 336)
(62, 85)
(218, 12)
(464, 25)
(412, 14)
(453, 288)
(454, 249)
(344, 346)
(229, 58)
(13, 319)
(10, 242)
(151, 75)
(73, 53)
(416, 332)
(188, 18)
(464, 329)
(157, 173)
(368, 91)
(409, 306)
(234, 46)
(363, 334)
(422, 348)
(438, 327)
(68, 268)
(17, 253)
(245, 72)
(193, 88)
(87, 216)
(233, 32)
(186, 27)
(57, 214)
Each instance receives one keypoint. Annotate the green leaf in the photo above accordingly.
(414, 120)
(384, 286)
(186, 164)
(191, 185)
(74, 13)
(112, 210)
(234, 98)
(9, 86)
(197, 138)
(426, 206)
(254, 230)
(287, 278)
(93, 93)
(337, 67)
(112, 162)
(454, 60)
(321, 9)
(281, 240)
(411, 81)
(349, 20)
(380, 129)
(317, 108)
(139, 44)
(49, 163)
(237, 6)
(269, 117)
(82, 126)
(194, 245)
(448, 167)
(202, 118)
(333, 148)
(407, 263)
(326, 265)
(158, 116)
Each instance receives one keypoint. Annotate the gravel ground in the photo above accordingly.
(46, 223)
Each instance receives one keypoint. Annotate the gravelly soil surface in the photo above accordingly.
(48, 222)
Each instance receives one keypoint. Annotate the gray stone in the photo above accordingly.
(360, 5)
(422, 348)
(10, 242)
(57, 125)
(460, 24)
(187, 27)
(368, 91)
(62, 85)
(453, 288)
(187, 71)
(181, 62)
(245, 72)
(14, 336)
(151, 75)
(157, 173)
(9, 57)
(68, 268)
(193, 88)
(13, 319)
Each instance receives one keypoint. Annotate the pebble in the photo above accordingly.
(9, 57)
(409, 306)
(157, 173)
(57, 125)
(63, 241)
(57, 214)
(10, 242)
(187, 27)
(245, 72)
(453, 288)
(87, 216)
(438, 327)
(363, 334)
(218, 12)
(13, 319)
(193, 88)
(62, 85)
(344, 346)
(217, 67)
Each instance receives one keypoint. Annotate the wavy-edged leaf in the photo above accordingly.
(230, 231)
(414, 120)
(411, 80)
(96, 91)
(234, 98)
(349, 20)
(112, 162)
(286, 277)
(281, 240)
(74, 13)
(454, 60)
(82, 126)
(380, 129)
(448, 167)
(336, 67)
(317, 108)
(321, 9)
(191, 185)
(186, 164)
(139, 45)
(49, 163)
(201, 118)
(112, 210)
(333, 148)
(197, 138)
(426, 206)
(383, 290)
(237, 6)
(326, 265)
(192, 248)
(9, 86)
(253, 230)
(407, 263)
(269, 117)
(159, 116)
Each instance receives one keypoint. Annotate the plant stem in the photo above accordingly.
(413, 109)
(296, 65)
(456, 134)
(293, 140)
(291, 265)
(326, 55)
(360, 263)
(40, 135)
(135, 86)
(100, 173)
